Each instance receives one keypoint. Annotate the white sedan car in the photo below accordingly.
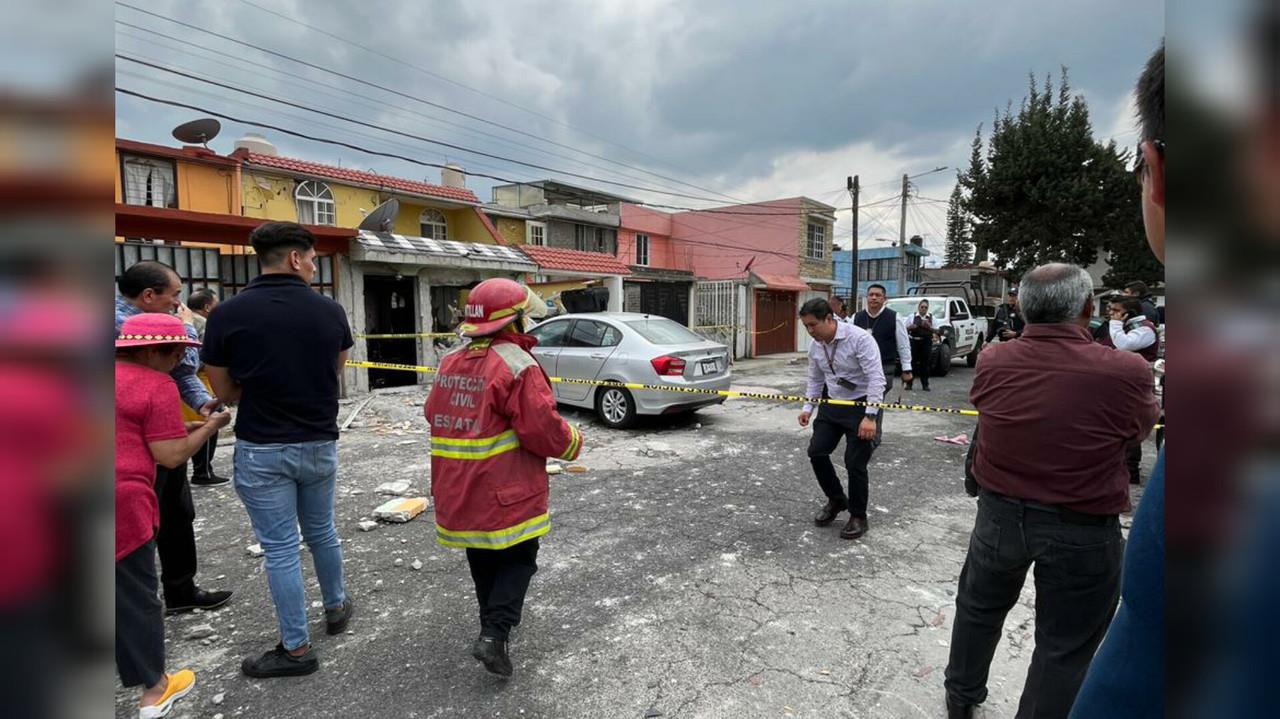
(632, 348)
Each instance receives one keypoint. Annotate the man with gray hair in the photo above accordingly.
(1056, 414)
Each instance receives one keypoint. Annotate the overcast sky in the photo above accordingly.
(744, 100)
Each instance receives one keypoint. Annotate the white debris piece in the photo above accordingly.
(219, 697)
(417, 564)
(554, 468)
(398, 488)
(254, 550)
(199, 631)
(399, 562)
(368, 525)
(401, 510)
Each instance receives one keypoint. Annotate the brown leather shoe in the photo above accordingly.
(829, 511)
(856, 527)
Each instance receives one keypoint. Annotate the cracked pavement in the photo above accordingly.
(682, 577)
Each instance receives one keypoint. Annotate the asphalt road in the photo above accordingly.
(683, 577)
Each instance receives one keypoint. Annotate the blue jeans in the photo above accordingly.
(284, 486)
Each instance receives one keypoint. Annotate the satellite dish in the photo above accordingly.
(197, 131)
(383, 217)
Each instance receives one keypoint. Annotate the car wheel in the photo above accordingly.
(944, 361)
(971, 359)
(616, 407)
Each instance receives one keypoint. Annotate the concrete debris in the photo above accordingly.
(398, 488)
(417, 565)
(219, 697)
(199, 631)
(399, 562)
(368, 525)
(401, 510)
(254, 550)
(553, 468)
(377, 586)
(651, 713)
(575, 469)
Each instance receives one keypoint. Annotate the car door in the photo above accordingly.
(587, 347)
(963, 325)
(551, 340)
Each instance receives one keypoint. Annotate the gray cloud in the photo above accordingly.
(718, 93)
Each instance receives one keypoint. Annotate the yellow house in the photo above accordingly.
(409, 279)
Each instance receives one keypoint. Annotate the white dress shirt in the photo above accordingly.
(1132, 336)
(852, 355)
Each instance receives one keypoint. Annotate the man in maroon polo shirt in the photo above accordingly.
(1057, 414)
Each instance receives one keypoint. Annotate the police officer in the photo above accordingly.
(493, 425)
(1008, 324)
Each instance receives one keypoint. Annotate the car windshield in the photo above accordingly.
(662, 331)
(906, 306)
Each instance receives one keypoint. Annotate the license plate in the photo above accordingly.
(710, 366)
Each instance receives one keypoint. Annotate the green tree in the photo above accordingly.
(1047, 191)
(959, 251)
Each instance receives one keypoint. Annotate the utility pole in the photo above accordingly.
(854, 190)
(902, 238)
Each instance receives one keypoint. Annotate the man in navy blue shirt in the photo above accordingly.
(277, 348)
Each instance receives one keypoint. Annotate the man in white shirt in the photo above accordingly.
(844, 364)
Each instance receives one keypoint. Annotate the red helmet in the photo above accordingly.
(492, 305)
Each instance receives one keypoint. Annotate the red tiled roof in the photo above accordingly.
(365, 178)
(782, 282)
(556, 258)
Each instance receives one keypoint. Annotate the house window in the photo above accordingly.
(601, 239)
(815, 246)
(149, 181)
(315, 203)
(642, 250)
(580, 235)
(535, 233)
(434, 225)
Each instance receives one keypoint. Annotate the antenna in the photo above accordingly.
(198, 131)
(382, 218)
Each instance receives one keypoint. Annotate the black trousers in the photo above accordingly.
(176, 538)
(502, 579)
(139, 619)
(1077, 575)
(1133, 460)
(920, 356)
(833, 423)
(202, 462)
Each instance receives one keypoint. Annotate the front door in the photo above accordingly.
(775, 330)
(389, 308)
(589, 344)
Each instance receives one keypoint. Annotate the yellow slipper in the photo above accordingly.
(180, 684)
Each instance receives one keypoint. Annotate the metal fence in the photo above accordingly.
(717, 312)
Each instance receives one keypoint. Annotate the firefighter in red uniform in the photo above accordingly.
(493, 425)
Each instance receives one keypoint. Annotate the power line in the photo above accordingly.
(464, 86)
(415, 99)
(416, 161)
(324, 91)
(410, 135)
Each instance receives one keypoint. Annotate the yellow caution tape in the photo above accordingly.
(718, 392)
(427, 335)
(694, 390)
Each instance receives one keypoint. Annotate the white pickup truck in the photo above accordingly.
(960, 329)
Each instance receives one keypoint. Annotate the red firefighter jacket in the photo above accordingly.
(493, 423)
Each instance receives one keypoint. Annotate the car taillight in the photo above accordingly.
(667, 365)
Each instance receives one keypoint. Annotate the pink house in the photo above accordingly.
(662, 280)
(778, 254)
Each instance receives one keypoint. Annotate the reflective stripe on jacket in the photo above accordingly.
(494, 423)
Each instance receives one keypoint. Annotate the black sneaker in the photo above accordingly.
(492, 653)
(336, 619)
(279, 663)
(209, 481)
(198, 599)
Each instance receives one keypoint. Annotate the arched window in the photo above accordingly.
(315, 203)
(434, 225)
